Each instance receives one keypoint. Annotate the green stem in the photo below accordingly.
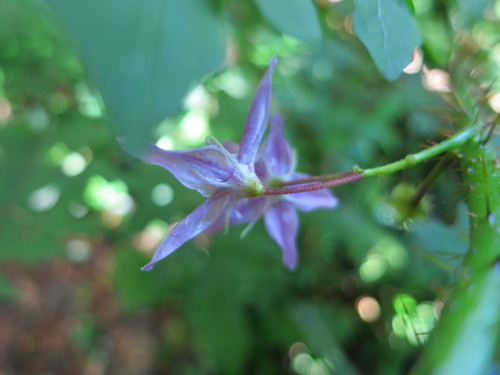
(468, 330)
(449, 144)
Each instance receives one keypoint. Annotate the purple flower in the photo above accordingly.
(274, 166)
(216, 173)
(236, 179)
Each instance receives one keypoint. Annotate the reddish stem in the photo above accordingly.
(351, 177)
(324, 177)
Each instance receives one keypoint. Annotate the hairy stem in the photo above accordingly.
(313, 186)
(467, 333)
(449, 144)
(322, 178)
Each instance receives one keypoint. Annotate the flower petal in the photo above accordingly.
(204, 169)
(192, 225)
(231, 147)
(311, 200)
(282, 223)
(276, 151)
(257, 118)
(244, 211)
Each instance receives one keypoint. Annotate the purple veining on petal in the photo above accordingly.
(192, 225)
(203, 169)
(256, 123)
(282, 224)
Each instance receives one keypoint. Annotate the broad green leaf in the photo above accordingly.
(387, 29)
(143, 55)
(297, 18)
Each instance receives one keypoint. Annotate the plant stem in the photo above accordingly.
(468, 330)
(322, 178)
(313, 186)
(409, 160)
(336, 179)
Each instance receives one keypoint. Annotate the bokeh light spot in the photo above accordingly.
(197, 98)
(165, 143)
(111, 197)
(233, 83)
(494, 102)
(73, 164)
(44, 199)
(373, 268)
(38, 119)
(368, 309)
(149, 239)
(88, 103)
(162, 194)
(302, 363)
(56, 154)
(78, 250)
(413, 321)
(5, 110)
(78, 210)
(194, 126)
(437, 80)
(386, 255)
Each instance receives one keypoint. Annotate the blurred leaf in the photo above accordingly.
(297, 18)
(443, 242)
(467, 327)
(438, 39)
(387, 29)
(471, 11)
(144, 56)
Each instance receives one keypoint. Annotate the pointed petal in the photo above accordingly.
(276, 151)
(192, 225)
(257, 118)
(204, 169)
(282, 224)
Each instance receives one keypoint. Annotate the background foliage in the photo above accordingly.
(79, 217)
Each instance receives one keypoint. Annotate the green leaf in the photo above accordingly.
(143, 55)
(471, 11)
(297, 18)
(387, 29)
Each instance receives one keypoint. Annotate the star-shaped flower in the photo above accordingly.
(216, 173)
(244, 182)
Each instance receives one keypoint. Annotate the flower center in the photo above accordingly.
(274, 182)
